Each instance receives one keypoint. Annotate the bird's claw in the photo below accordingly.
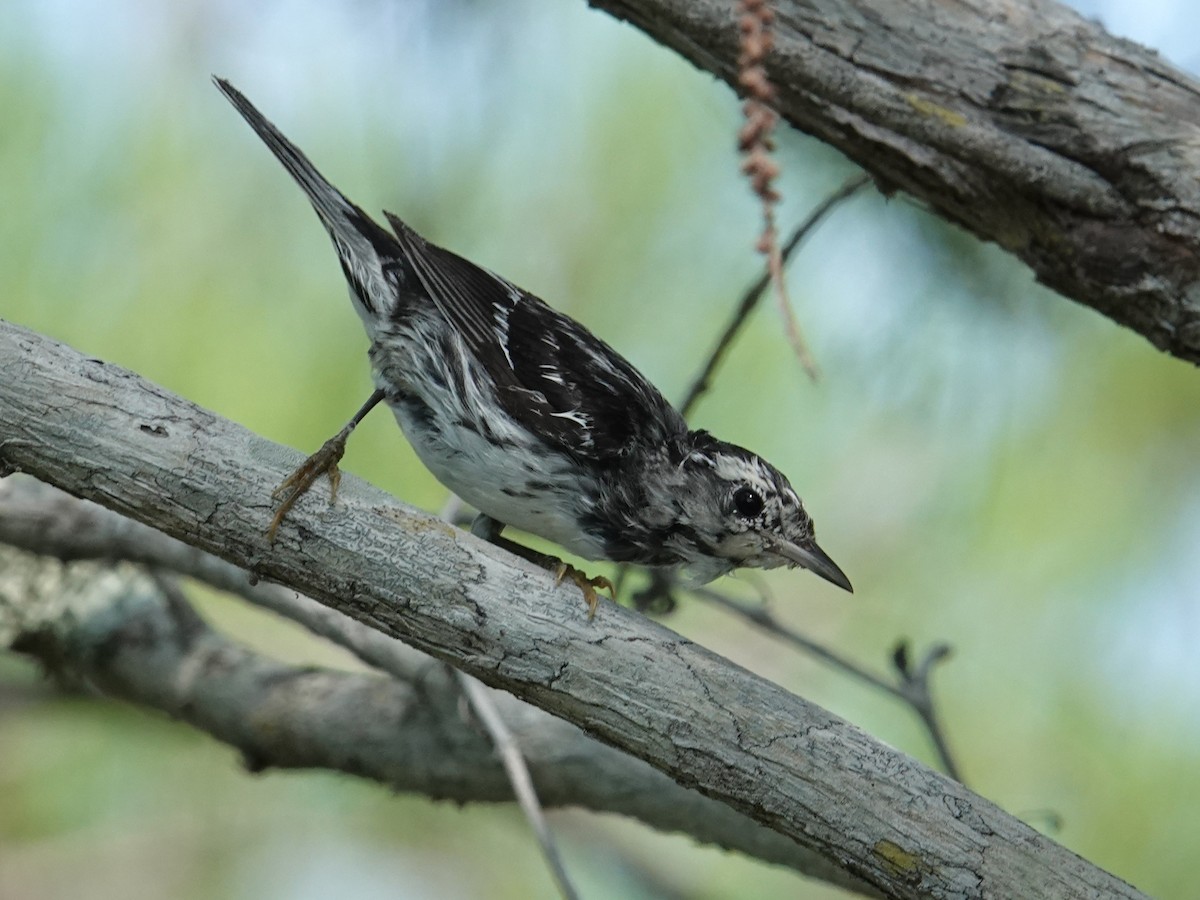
(292, 488)
(563, 571)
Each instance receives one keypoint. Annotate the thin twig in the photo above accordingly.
(914, 684)
(510, 754)
(509, 751)
(754, 293)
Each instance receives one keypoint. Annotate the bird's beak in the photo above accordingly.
(816, 560)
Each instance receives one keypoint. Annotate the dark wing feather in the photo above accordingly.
(469, 296)
(552, 375)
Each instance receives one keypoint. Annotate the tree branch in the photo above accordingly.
(43, 520)
(91, 621)
(1019, 120)
(103, 433)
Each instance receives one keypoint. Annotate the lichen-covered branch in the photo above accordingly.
(105, 434)
(1020, 120)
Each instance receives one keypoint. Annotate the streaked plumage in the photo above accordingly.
(535, 421)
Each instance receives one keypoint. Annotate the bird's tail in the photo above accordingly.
(362, 245)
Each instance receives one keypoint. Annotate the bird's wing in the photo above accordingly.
(553, 376)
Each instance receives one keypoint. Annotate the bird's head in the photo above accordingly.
(737, 510)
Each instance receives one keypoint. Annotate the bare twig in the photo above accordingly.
(480, 698)
(914, 688)
(913, 685)
(754, 293)
(508, 749)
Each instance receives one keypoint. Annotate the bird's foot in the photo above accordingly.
(292, 488)
(489, 529)
(563, 571)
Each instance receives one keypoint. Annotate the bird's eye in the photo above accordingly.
(747, 502)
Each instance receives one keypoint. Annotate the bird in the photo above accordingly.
(533, 420)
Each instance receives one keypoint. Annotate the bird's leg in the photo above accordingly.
(489, 529)
(323, 462)
(485, 527)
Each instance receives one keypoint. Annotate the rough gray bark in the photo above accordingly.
(1017, 119)
(112, 627)
(105, 434)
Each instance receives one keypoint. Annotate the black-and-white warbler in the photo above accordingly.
(536, 422)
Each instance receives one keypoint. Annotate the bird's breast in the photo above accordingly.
(514, 484)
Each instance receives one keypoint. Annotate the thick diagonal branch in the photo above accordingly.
(103, 433)
(109, 625)
(1020, 120)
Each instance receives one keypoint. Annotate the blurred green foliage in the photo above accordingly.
(992, 465)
